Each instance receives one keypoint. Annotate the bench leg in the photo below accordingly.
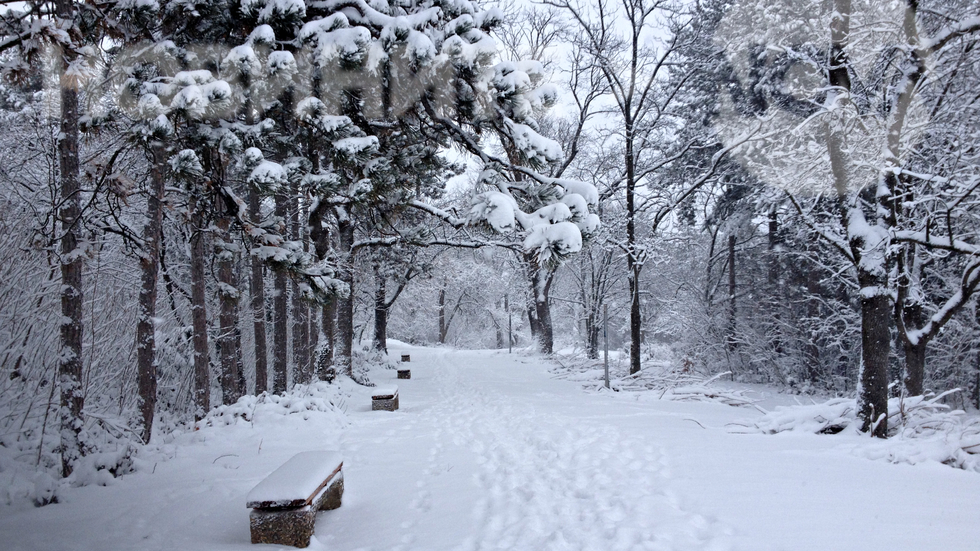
(283, 527)
(385, 405)
(331, 498)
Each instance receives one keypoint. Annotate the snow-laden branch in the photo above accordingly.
(442, 214)
(945, 243)
(943, 37)
(970, 280)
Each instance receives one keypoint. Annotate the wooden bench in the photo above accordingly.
(404, 373)
(406, 357)
(385, 398)
(285, 503)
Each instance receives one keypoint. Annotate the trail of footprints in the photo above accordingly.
(551, 483)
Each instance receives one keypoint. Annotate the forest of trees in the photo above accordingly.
(207, 199)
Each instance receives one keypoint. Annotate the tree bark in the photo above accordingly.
(199, 315)
(70, 357)
(380, 312)
(313, 326)
(592, 328)
(915, 367)
(540, 279)
(302, 371)
(542, 308)
(636, 320)
(731, 342)
(146, 365)
(320, 237)
(775, 289)
(875, 347)
(257, 292)
(227, 309)
(976, 365)
(325, 366)
(443, 326)
(345, 306)
(280, 336)
(632, 261)
(873, 282)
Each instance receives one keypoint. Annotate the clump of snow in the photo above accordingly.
(243, 59)
(262, 35)
(550, 214)
(920, 428)
(352, 147)
(577, 206)
(268, 176)
(282, 63)
(186, 163)
(301, 400)
(497, 209)
(534, 146)
(588, 191)
(553, 240)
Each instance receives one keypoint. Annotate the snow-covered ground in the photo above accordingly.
(491, 451)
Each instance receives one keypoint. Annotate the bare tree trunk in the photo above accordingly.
(542, 309)
(875, 347)
(443, 326)
(313, 325)
(875, 311)
(775, 289)
(70, 357)
(146, 366)
(532, 318)
(302, 372)
(199, 314)
(320, 237)
(632, 261)
(324, 366)
(242, 384)
(345, 306)
(380, 312)
(539, 307)
(915, 367)
(915, 354)
(257, 292)
(731, 342)
(228, 310)
(636, 321)
(587, 284)
(976, 365)
(592, 332)
(280, 336)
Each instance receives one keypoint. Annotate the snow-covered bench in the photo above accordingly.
(285, 503)
(385, 398)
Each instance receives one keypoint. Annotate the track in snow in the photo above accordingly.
(555, 482)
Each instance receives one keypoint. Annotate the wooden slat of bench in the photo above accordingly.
(297, 482)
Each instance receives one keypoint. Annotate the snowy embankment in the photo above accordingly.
(920, 428)
(492, 451)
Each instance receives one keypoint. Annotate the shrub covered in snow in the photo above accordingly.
(663, 378)
(920, 428)
(113, 450)
(302, 399)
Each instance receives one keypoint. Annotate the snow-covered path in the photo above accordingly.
(488, 451)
